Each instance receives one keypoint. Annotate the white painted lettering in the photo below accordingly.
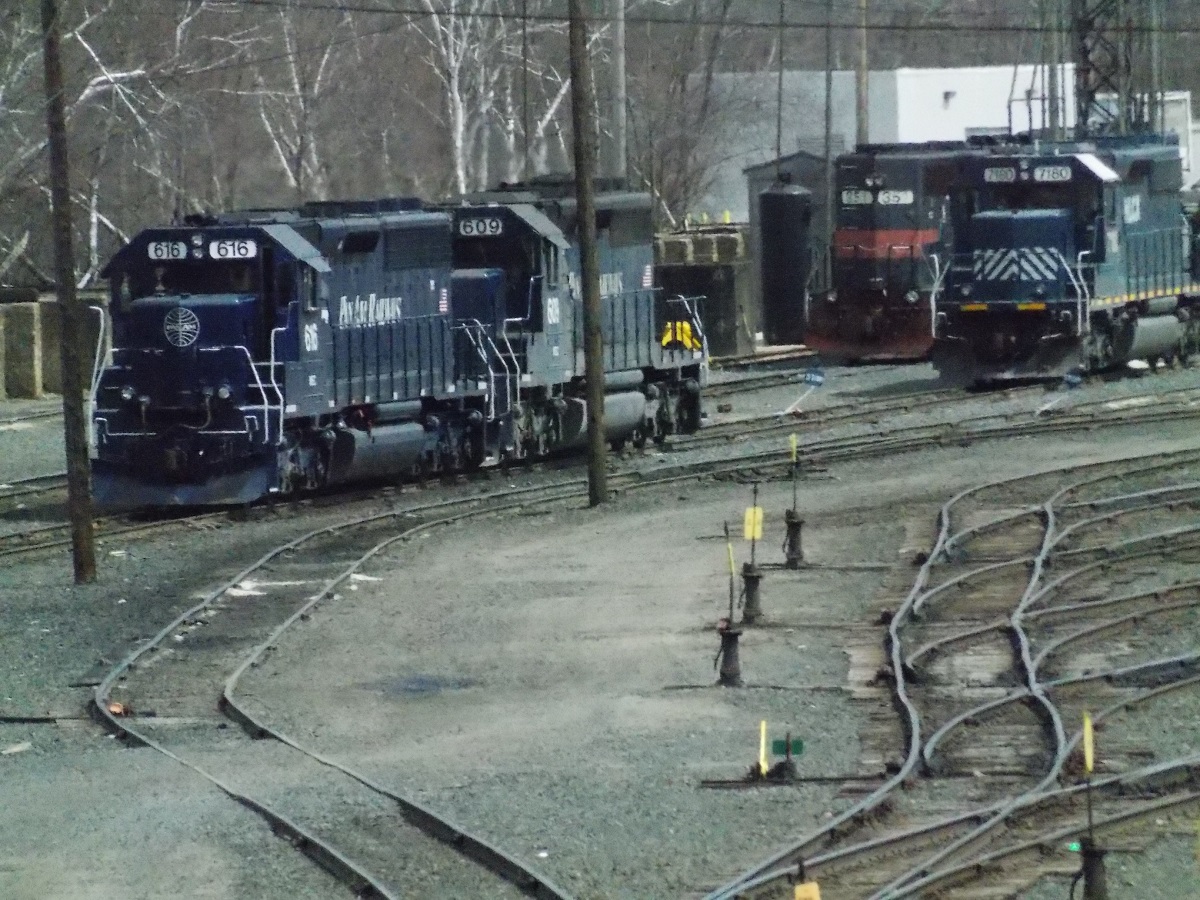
(375, 310)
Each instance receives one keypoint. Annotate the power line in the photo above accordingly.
(1181, 29)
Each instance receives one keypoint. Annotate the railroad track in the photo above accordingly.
(37, 416)
(1146, 409)
(750, 383)
(1022, 572)
(128, 695)
(23, 491)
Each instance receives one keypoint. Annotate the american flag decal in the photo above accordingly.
(648, 277)
(444, 301)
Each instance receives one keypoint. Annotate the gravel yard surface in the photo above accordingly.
(30, 446)
(544, 678)
(1168, 870)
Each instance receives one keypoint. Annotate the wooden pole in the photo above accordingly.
(827, 265)
(583, 112)
(620, 144)
(862, 130)
(74, 381)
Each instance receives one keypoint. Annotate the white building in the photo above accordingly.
(904, 106)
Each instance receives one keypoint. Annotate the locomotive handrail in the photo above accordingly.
(509, 376)
(261, 389)
(97, 371)
(275, 387)
(1083, 312)
(533, 279)
(481, 349)
(939, 276)
(698, 325)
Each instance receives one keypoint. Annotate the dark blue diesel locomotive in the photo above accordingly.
(1070, 256)
(270, 352)
(652, 345)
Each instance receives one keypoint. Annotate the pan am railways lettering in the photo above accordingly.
(374, 310)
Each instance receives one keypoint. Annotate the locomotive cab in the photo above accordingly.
(887, 257)
(1067, 256)
(204, 319)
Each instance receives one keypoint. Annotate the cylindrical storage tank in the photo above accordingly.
(785, 213)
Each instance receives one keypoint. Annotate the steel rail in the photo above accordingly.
(925, 878)
(1023, 693)
(487, 854)
(1035, 689)
(1170, 768)
(1000, 623)
(1064, 610)
(770, 869)
(321, 851)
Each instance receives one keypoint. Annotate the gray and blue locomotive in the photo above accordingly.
(271, 352)
(1069, 256)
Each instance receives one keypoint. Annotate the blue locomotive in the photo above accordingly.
(270, 352)
(1067, 256)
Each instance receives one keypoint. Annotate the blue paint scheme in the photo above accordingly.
(274, 351)
(1019, 256)
(1069, 255)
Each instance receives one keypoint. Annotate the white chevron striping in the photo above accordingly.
(1016, 264)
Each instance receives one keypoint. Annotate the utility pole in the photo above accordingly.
(861, 92)
(79, 488)
(620, 151)
(524, 91)
(1158, 106)
(1053, 25)
(583, 124)
(828, 265)
(779, 101)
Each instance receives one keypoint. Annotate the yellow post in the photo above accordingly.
(810, 890)
(762, 747)
(1089, 746)
(794, 443)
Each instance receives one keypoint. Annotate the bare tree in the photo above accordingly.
(677, 114)
(291, 100)
(118, 95)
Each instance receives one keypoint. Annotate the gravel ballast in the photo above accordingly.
(544, 678)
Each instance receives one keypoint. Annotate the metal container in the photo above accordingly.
(786, 213)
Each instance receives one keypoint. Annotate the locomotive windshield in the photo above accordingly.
(882, 209)
(1024, 195)
(204, 276)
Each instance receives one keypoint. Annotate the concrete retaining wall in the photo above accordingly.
(31, 346)
(23, 350)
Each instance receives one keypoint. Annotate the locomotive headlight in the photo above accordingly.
(197, 240)
(197, 253)
(128, 393)
(831, 297)
(965, 290)
(912, 296)
(223, 392)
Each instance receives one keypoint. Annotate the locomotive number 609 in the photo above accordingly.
(489, 227)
